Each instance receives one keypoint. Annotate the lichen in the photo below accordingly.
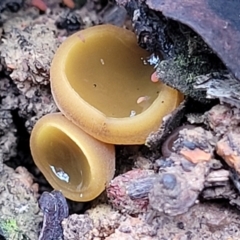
(27, 59)
(20, 214)
(26, 51)
(74, 222)
(99, 222)
(10, 5)
(217, 222)
(8, 131)
(27, 108)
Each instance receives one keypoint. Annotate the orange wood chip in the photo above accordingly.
(195, 156)
(69, 3)
(41, 5)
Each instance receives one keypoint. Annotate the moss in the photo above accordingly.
(192, 58)
(185, 55)
(20, 216)
(9, 229)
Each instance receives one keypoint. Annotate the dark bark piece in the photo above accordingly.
(170, 122)
(216, 21)
(55, 209)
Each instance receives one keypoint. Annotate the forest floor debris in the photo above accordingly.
(161, 192)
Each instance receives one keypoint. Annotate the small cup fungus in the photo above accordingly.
(72, 161)
(101, 81)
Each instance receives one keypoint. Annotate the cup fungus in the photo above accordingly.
(100, 80)
(72, 161)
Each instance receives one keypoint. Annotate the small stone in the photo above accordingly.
(169, 181)
(76, 226)
(177, 187)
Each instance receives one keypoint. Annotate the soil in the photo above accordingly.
(182, 184)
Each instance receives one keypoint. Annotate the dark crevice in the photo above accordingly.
(23, 157)
(23, 149)
(2, 237)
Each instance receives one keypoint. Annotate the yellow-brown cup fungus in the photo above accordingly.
(100, 81)
(72, 161)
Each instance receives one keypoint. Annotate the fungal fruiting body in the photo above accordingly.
(72, 161)
(98, 76)
(100, 81)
